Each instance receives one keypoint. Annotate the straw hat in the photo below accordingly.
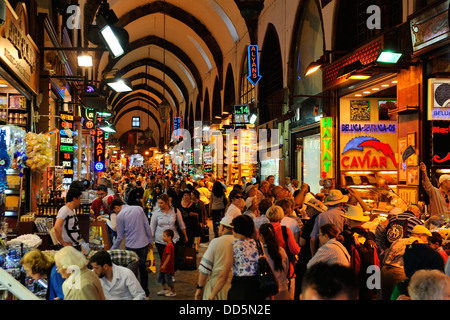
(356, 213)
(334, 197)
(249, 202)
(316, 204)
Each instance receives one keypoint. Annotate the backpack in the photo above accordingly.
(363, 253)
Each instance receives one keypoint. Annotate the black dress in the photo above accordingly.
(191, 222)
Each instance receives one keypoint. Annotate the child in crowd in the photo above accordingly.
(167, 268)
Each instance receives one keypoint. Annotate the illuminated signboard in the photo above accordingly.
(177, 127)
(66, 147)
(207, 158)
(241, 113)
(369, 128)
(441, 147)
(364, 152)
(99, 159)
(438, 99)
(253, 65)
(327, 148)
(89, 115)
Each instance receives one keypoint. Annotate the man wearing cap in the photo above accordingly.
(400, 225)
(213, 262)
(439, 203)
(335, 202)
(355, 219)
(392, 270)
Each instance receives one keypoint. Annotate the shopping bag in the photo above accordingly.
(150, 264)
(189, 259)
(205, 234)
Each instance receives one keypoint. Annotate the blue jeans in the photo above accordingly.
(143, 275)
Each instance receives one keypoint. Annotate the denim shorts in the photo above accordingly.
(165, 278)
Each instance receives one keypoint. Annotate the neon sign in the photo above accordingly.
(177, 127)
(441, 147)
(66, 148)
(99, 150)
(326, 148)
(253, 65)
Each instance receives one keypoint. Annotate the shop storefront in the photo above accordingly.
(18, 91)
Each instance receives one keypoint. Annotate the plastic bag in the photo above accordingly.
(150, 262)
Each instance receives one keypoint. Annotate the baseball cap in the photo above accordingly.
(443, 178)
(227, 221)
(418, 229)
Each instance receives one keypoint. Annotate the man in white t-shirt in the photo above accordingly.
(67, 228)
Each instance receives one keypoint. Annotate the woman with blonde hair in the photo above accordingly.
(41, 266)
(275, 214)
(81, 283)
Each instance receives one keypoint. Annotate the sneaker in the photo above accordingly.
(171, 294)
(162, 292)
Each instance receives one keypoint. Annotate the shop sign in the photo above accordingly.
(441, 147)
(438, 99)
(430, 27)
(66, 147)
(369, 128)
(207, 158)
(367, 152)
(89, 115)
(327, 148)
(99, 162)
(253, 65)
(177, 127)
(17, 50)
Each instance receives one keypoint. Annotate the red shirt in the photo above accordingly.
(96, 205)
(170, 267)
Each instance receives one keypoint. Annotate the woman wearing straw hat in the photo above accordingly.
(335, 202)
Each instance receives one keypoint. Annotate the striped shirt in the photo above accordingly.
(400, 226)
(438, 205)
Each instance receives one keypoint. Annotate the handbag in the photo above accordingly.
(205, 234)
(268, 283)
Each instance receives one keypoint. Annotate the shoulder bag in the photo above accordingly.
(268, 283)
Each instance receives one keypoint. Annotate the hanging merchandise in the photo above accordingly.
(38, 151)
(17, 148)
(5, 161)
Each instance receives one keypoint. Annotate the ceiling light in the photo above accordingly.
(119, 85)
(116, 39)
(85, 61)
(375, 89)
(385, 85)
(367, 92)
(107, 127)
(389, 57)
(359, 77)
(395, 81)
(358, 95)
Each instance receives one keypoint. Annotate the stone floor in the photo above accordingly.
(185, 281)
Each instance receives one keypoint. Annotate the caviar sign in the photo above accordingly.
(327, 148)
(99, 162)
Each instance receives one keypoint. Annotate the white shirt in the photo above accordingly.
(123, 286)
(233, 211)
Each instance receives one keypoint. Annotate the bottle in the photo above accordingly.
(101, 211)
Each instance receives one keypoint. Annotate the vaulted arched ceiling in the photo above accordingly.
(174, 46)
